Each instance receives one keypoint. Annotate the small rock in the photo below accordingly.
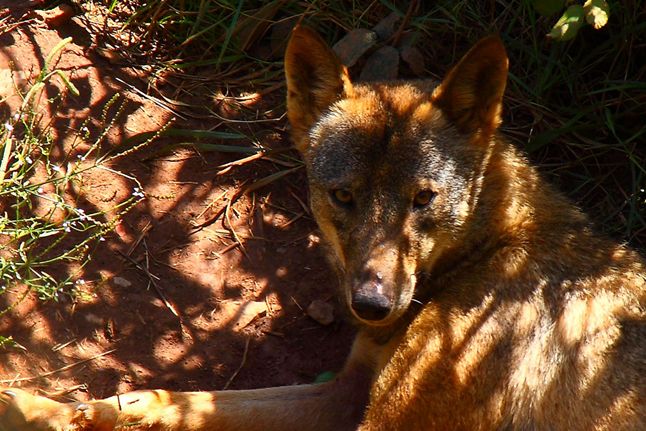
(386, 27)
(382, 65)
(321, 311)
(93, 319)
(414, 59)
(354, 44)
(121, 282)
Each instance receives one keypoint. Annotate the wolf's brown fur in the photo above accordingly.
(485, 301)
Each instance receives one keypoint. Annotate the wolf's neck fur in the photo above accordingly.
(516, 214)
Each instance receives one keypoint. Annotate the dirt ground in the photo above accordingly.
(163, 304)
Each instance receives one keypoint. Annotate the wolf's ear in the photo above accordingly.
(471, 94)
(315, 80)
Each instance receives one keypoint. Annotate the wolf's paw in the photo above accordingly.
(83, 419)
(22, 411)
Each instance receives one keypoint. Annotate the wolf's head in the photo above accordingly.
(394, 168)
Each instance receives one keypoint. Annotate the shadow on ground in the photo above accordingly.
(163, 302)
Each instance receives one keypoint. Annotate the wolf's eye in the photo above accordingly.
(342, 196)
(423, 198)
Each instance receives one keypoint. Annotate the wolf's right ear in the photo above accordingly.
(315, 80)
(471, 94)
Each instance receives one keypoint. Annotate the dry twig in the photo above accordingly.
(59, 370)
(244, 360)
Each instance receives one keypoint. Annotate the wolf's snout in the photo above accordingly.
(369, 299)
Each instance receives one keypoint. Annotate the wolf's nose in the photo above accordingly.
(371, 307)
(369, 303)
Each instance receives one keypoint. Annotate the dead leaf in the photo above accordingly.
(240, 314)
(56, 16)
(249, 312)
(596, 13)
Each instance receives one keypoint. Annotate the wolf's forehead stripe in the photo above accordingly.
(336, 165)
(393, 106)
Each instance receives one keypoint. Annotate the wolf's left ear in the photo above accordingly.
(315, 80)
(471, 94)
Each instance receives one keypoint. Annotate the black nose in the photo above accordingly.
(371, 305)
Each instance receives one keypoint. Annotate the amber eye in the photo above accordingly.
(423, 198)
(342, 196)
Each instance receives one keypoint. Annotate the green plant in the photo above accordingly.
(592, 12)
(46, 236)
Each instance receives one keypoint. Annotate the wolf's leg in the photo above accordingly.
(303, 407)
(335, 405)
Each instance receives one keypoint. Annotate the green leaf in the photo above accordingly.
(6, 342)
(69, 84)
(569, 24)
(326, 376)
(195, 134)
(548, 136)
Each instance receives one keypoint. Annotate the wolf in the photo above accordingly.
(484, 299)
